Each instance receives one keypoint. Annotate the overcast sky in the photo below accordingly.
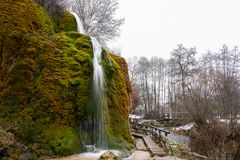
(155, 27)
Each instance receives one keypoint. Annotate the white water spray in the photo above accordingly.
(79, 23)
(95, 122)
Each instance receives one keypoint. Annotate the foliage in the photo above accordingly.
(216, 140)
(175, 149)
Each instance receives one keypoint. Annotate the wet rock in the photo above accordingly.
(26, 156)
(9, 146)
(6, 139)
(3, 152)
(109, 156)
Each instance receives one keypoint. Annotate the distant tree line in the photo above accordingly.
(204, 90)
(207, 89)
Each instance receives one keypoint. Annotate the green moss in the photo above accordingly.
(83, 42)
(49, 84)
(67, 23)
(46, 81)
(45, 24)
(18, 18)
(118, 106)
(64, 140)
(28, 18)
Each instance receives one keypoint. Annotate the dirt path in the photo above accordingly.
(140, 153)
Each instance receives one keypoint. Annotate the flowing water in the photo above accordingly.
(94, 124)
(180, 139)
(98, 96)
(79, 23)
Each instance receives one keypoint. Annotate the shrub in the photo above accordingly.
(216, 140)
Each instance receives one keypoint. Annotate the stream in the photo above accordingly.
(180, 139)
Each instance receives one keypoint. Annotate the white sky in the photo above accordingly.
(155, 27)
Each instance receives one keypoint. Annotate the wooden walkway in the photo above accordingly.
(154, 149)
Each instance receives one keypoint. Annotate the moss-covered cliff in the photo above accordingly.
(46, 79)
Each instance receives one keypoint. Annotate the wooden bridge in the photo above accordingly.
(150, 134)
(148, 129)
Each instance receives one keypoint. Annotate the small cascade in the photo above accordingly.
(94, 125)
(80, 28)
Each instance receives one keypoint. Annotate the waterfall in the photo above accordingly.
(94, 126)
(79, 23)
(98, 93)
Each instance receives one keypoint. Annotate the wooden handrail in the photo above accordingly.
(160, 129)
(154, 131)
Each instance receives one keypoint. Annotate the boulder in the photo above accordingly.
(9, 146)
(6, 139)
(109, 156)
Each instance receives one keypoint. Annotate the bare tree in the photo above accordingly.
(203, 90)
(98, 17)
(143, 71)
(184, 58)
(133, 68)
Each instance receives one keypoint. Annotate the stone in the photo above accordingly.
(6, 139)
(26, 156)
(9, 146)
(109, 156)
(3, 152)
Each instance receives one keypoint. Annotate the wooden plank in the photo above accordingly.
(154, 149)
(137, 135)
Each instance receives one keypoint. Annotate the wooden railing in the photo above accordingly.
(154, 132)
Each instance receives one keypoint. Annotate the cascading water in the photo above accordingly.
(98, 94)
(79, 23)
(94, 126)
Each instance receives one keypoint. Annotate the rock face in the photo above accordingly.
(109, 156)
(9, 146)
(45, 83)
